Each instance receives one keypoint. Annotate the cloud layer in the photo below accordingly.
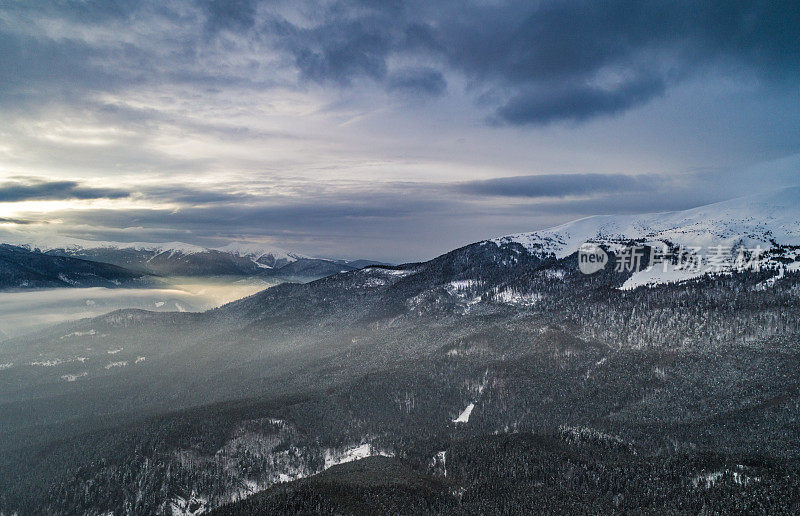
(562, 185)
(392, 130)
(33, 189)
(531, 63)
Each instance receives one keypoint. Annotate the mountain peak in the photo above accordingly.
(256, 251)
(749, 221)
(769, 221)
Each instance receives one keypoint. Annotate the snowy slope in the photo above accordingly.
(170, 258)
(765, 220)
(77, 244)
(255, 252)
(261, 254)
(182, 259)
(249, 250)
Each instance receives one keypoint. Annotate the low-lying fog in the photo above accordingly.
(25, 311)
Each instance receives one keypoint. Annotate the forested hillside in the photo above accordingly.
(417, 362)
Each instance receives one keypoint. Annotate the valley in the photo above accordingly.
(173, 411)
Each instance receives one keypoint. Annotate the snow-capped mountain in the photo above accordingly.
(183, 259)
(70, 244)
(167, 259)
(265, 256)
(770, 222)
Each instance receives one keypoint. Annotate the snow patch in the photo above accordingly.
(121, 363)
(509, 296)
(362, 451)
(66, 279)
(48, 363)
(462, 289)
(660, 274)
(596, 365)
(556, 274)
(79, 334)
(194, 504)
(376, 282)
(464, 416)
(392, 272)
(73, 377)
(769, 283)
(463, 284)
(710, 479)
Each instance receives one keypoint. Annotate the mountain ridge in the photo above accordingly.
(182, 259)
(768, 224)
(21, 268)
(773, 209)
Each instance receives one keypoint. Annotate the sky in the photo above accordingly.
(385, 129)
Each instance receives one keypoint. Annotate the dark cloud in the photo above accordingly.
(229, 14)
(538, 61)
(577, 103)
(578, 59)
(621, 203)
(343, 52)
(418, 82)
(556, 60)
(561, 185)
(38, 190)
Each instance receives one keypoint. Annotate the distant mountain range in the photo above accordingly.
(21, 268)
(768, 221)
(496, 378)
(181, 259)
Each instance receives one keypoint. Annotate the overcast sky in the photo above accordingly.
(385, 129)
